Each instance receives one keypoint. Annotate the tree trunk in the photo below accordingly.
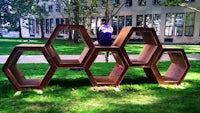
(20, 30)
(41, 28)
(76, 37)
(70, 35)
(76, 18)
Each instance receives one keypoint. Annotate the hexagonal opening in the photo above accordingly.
(112, 75)
(164, 63)
(28, 65)
(20, 75)
(149, 51)
(61, 54)
(176, 70)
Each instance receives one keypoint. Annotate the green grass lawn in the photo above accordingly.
(71, 92)
(68, 47)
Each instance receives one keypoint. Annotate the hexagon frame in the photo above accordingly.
(14, 74)
(117, 48)
(176, 71)
(117, 73)
(152, 48)
(89, 47)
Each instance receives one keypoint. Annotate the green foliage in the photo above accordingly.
(78, 10)
(19, 9)
(110, 7)
(4, 10)
(39, 10)
(174, 3)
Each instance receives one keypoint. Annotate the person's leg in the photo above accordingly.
(106, 56)
(96, 43)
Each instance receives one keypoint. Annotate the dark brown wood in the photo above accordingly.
(152, 48)
(66, 63)
(150, 55)
(177, 70)
(147, 59)
(16, 77)
(117, 49)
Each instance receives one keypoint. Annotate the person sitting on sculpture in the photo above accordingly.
(104, 33)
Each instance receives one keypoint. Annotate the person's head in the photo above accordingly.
(103, 21)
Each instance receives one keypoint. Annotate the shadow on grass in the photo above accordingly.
(138, 80)
(78, 82)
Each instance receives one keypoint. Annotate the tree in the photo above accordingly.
(19, 9)
(181, 3)
(78, 12)
(40, 12)
(4, 10)
(111, 8)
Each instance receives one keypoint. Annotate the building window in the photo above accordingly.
(50, 8)
(179, 22)
(189, 24)
(31, 26)
(148, 21)
(169, 24)
(129, 20)
(51, 25)
(57, 21)
(156, 23)
(156, 2)
(66, 20)
(115, 3)
(120, 23)
(58, 8)
(175, 24)
(47, 26)
(62, 21)
(139, 21)
(114, 24)
(37, 26)
(141, 2)
(128, 3)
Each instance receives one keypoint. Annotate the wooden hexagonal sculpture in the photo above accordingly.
(80, 62)
(152, 48)
(177, 69)
(118, 51)
(16, 77)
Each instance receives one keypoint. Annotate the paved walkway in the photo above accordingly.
(100, 58)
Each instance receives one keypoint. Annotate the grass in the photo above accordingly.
(71, 92)
(61, 46)
(68, 47)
